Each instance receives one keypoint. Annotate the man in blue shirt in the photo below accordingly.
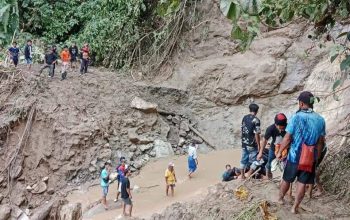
(14, 53)
(105, 182)
(306, 127)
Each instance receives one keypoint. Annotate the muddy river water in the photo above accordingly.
(150, 197)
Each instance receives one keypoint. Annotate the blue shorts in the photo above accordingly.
(29, 60)
(104, 191)
(249, 155)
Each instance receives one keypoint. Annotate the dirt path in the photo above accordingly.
(150, 198)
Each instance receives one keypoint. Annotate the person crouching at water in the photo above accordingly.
(105, 182)
(192, 159)
(170, 179)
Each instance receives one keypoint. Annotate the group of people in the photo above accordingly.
(68, 56)
(298, 145)
(123, 173)
(14, 51)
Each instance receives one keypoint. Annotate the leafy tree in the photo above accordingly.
(9, 20)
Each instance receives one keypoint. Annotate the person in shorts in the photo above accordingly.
(126, 193)
(73, 50)
(305, 135)
(14, 53)
(250, 138)
(170, 179)
(28, 54)
(105, 182)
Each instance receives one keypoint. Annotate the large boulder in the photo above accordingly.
(143, 105)
(163, 149)
(5, 212)
(71, 212)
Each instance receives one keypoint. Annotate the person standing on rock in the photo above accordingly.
(276, 132)
(105, 182)
(192, 159)
(250, 138)
(305, 135)
(170, 179)
(120, 170)
(126, 193)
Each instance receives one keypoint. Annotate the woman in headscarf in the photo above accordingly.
(192, 159)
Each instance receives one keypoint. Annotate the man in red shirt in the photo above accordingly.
(85, 56)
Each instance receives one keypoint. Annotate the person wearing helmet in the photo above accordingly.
(276, 132)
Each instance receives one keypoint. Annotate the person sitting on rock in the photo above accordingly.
(230, 173)
(105, 182)
(192, 159)
(170, 179)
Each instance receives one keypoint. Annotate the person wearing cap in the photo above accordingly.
(105, 182)
(170, 179)
(126, 193)
(250, 138)
(192, 159)
(276, 132)
(305, 134)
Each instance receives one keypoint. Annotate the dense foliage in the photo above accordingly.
(9, 20)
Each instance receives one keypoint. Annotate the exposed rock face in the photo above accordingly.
(5, 212)
(71, 212)
(143, 105)
(163, 149)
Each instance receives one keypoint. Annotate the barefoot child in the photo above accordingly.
(170, 179)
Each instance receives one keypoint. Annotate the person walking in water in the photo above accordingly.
(305, 135)
(170, 179)
(275, 131)
(126, 193)
(250, 138)
(85, 56)
(192, 159)
(105, 182)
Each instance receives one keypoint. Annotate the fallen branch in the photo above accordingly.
(201, 136)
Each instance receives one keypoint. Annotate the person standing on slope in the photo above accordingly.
(28, 54)
(250, 138)
(275, 131)
(85, 56)
(192, 159)
(305, 135)
(73, 50)
(13, 52)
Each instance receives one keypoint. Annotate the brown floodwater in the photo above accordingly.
(150, 197)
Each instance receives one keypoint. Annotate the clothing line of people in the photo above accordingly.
(298, 145)
(69, 57)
